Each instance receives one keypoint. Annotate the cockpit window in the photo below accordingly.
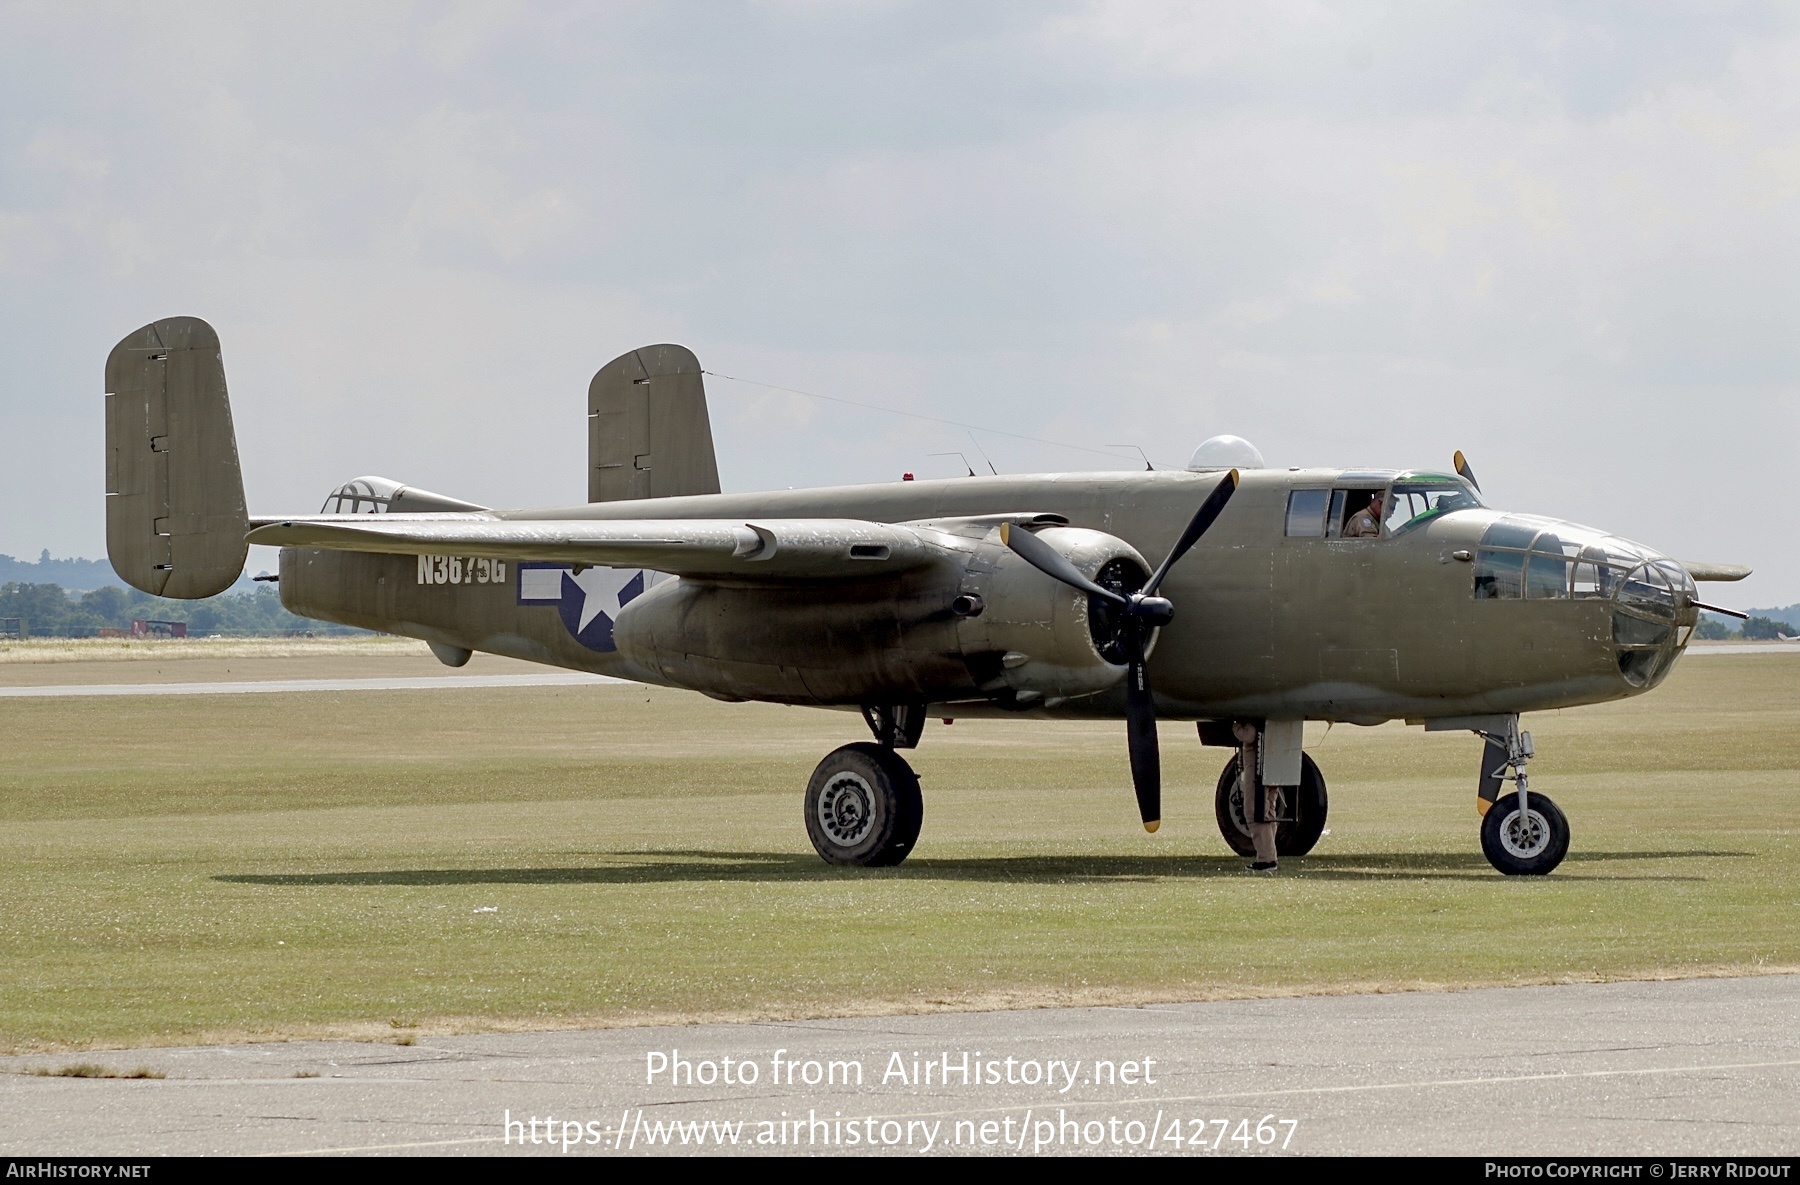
(1417, 499)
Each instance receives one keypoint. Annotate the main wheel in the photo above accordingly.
(1528, 846)
(1295, 837)
(863, 807)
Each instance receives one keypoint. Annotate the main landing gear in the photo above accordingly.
(863, 805)
(1302, 813)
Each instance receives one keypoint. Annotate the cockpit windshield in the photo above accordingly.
(1417, 498)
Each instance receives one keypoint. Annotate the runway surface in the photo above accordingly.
(268, 686)
(1690, 1067)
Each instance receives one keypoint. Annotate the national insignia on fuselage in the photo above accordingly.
(588, 601)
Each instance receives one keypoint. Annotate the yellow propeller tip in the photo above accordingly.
(1152, 825)
(1234, 479)
(1004, 529)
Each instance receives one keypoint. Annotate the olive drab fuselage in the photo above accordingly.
(1270, 624)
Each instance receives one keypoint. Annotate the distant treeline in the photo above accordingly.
(76, 574)
(45, 610)
(1757, 629)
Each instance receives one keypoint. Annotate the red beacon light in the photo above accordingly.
(906, 477)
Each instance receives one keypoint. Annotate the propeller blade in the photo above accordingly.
(1053, 563)
(1197, 526)
(1462, 468)
(1140, 731)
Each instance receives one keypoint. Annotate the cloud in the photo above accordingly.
(1562, 238)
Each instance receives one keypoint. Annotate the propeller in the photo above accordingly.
(1467, 474)
(1140, 614)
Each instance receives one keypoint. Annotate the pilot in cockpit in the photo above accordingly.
(1366, 523)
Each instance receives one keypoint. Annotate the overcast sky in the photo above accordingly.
(1564, 238)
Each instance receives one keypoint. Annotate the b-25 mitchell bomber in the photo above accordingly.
(1228, 594)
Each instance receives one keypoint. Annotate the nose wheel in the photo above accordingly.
(1527, 842)
(863, 807)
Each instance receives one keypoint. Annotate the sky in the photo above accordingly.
(1564, 238)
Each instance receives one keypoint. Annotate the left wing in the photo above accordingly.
(766, 549)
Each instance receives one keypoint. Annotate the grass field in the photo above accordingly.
(376, 863)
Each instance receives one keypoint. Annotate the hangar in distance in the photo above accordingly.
(1228, 594)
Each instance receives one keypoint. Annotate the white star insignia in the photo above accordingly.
(600, 589)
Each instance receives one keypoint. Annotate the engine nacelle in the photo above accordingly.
(982, 624)
(1036, 638)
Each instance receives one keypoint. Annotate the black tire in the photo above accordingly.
(1531, 854)
(1293, 838)
(863, 807)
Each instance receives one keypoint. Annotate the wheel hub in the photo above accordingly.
(1525, 836)
(847, 809)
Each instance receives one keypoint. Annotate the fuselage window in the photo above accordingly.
(1548, 576)
(1306, 513)
(363, 495)
(1334, 518)
(1499, 575)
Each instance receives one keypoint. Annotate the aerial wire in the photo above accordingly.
(913, 415)
(984, 456)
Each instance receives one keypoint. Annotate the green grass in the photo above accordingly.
(204, 868)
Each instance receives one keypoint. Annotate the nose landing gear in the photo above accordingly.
(1522, 833)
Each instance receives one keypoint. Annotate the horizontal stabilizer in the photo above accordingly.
(768, 549)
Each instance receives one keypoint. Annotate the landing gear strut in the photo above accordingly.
(1522, 833)
(896, 726)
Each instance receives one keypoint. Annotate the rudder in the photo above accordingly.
(649, 435)
(175, 517)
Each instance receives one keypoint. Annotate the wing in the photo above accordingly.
(1701, 570)
(768, 549)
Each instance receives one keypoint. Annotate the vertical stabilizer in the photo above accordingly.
(648, 431)
(175, 518)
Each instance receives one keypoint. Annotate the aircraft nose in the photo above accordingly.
(1653, 617)
(1651, 596)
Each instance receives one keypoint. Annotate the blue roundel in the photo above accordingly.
(588, 602)
(575, 604)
